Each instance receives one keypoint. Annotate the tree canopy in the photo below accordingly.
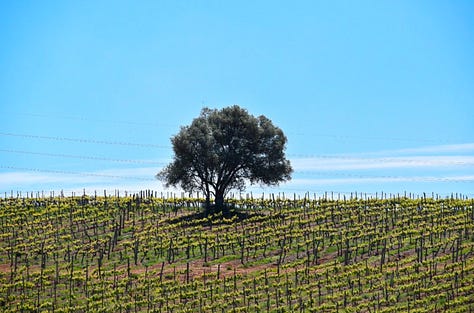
(223, 150)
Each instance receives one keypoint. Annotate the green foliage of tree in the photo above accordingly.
(223, 150)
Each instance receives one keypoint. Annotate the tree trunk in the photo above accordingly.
(207, 205)
(219, 203)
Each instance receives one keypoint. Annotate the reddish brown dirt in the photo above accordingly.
(4, 268)
(197, 268)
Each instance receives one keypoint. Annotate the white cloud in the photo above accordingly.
(147, 173)
(21, 180)
(354, 163)
(397, 166)
(435, 157)
(438, 149)
(382, 179)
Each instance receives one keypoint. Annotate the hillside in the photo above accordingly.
(152, 254)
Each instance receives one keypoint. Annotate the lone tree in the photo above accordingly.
(222, 150)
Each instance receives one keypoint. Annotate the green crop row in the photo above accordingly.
(146, 254)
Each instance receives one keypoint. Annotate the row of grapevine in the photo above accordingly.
(149, 253)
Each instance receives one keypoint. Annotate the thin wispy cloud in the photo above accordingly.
(354, 163)
(372, 180)
(437, 149)
(445, 163)
(115, 176)
(10, 179)
(439, 156)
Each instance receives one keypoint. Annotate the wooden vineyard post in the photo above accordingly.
(382, 255)
(205, 250)
(242, 245)
(161, 271)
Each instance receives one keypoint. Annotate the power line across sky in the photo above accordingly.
(85, 120)
(83, 174)
(326, 173)
(82, 157)
(314, 157)
(386, 107)
(85, 140)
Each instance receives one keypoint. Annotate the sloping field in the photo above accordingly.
(149, 254)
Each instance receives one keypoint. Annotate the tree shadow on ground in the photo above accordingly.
(208, 217)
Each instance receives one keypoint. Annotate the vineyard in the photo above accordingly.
(149, 253)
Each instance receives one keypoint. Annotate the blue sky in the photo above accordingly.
(372, 95)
